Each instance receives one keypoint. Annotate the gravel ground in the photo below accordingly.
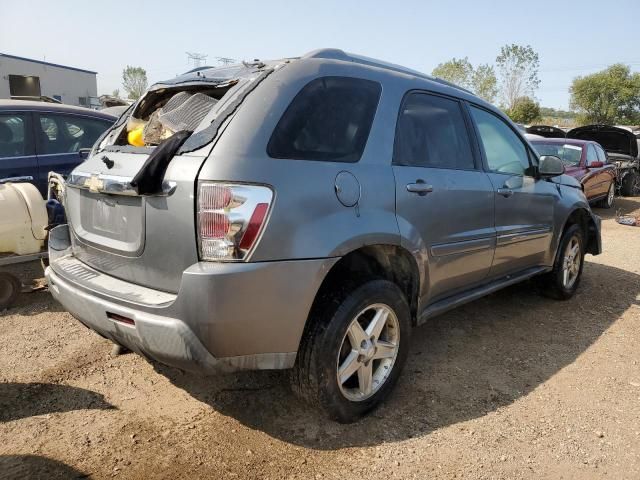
(510, 386)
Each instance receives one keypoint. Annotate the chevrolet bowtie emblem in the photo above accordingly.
(94, 183)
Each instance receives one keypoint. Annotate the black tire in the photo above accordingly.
(315, 374)
(552, 283)
(627, 189)
(10, 288)
(607, 202)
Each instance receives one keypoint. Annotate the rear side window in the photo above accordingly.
(601, 155)
(592, 155)
(504, 150)
(12, 136)
(68, 133)
(432, 133)
(328, 120)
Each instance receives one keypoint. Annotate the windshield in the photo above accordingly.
(569, 154)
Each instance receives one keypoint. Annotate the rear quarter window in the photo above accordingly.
(328, 120)
(64, 133)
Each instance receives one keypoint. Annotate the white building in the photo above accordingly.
(27, 77)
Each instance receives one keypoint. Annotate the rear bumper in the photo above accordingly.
(225, 317)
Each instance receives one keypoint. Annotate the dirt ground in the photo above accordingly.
(511, 386)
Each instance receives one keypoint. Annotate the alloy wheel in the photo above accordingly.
(571, 263)
(610, 195)
(368, 352)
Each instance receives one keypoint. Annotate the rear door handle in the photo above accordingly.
(419, 187)
(505, 192)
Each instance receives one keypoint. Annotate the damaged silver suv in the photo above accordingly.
(306, 214)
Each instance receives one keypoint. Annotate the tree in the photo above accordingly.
(518, 73)
(456, 71)
(610, 96)
(525, 110)
(134, 81)
(116, 93)
(482, 80)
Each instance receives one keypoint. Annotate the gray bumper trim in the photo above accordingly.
(167, 340)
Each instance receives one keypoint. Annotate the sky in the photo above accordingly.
(573, 38)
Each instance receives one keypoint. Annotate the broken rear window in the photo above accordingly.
(192, 102)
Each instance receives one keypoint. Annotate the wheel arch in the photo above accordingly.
(384, 261)
(583, 218)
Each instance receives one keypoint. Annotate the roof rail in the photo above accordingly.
(338, 54)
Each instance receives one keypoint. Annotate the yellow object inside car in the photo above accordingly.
(134, 137)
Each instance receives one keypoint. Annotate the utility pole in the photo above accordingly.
(225, 60)
(196, 59)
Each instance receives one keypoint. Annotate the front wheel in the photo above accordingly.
(353, 352)
(562, 282)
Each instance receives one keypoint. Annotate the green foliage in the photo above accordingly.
(482, 80)
(457, 71)
(611, 96)
(134, 81)
(518, 73)
(116, 93)
(525, 110)
(553, 113)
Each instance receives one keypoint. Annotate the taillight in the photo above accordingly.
(230, 219)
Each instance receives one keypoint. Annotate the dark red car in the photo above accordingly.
(587, 162)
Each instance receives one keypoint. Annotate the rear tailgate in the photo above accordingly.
(149, 240)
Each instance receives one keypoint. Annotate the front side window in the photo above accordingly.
(68, 133)
(504, 151)
(13, 136)
(329, 120)
(431, 132)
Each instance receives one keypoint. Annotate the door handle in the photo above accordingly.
(505, 192)
(419, 187)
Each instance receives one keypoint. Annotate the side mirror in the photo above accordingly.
(84, 153)
(550, 166)
(595, 164)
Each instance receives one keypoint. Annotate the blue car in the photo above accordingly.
(38, 137)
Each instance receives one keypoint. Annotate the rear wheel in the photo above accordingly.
(629, 184)
(353, 352)
(562, 282)
(9, 289)
(607, 202)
